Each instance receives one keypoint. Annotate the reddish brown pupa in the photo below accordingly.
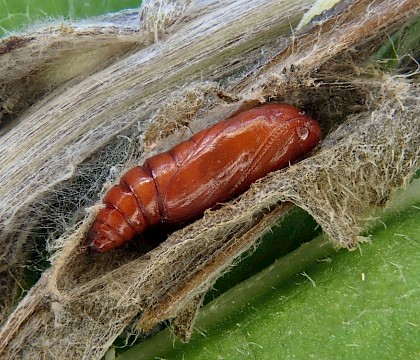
(216, 164)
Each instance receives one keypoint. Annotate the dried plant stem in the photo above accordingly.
(213, 57)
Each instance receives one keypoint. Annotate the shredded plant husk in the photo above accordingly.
(68, 137)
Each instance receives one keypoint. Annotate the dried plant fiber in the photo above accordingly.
(186, 66)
